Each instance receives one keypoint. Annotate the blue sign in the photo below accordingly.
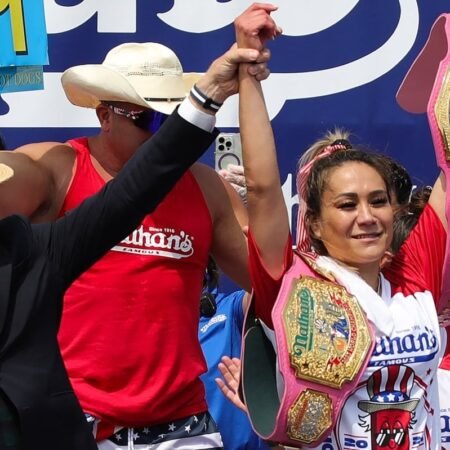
(21, 78)
(23, 45)
(23, 34)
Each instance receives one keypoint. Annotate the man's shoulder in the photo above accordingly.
(58, 157)
(37, 150)
(204, 175)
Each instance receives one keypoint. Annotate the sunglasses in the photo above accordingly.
(148, 119)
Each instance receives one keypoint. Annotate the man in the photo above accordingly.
(129, 329)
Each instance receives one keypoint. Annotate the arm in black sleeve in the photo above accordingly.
(82, 236)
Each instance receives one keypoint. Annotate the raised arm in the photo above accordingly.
(268, 217)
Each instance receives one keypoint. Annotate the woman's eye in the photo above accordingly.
(381, 201)
(347, 205)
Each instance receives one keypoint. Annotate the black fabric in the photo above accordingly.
(43, 260)
(259, 385)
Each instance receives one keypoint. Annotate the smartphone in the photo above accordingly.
(228, 150)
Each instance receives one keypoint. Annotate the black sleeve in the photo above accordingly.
(83, 235)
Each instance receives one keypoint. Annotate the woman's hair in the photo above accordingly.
(316, 182)
(406, 219)
(400, 180)
(318, 146)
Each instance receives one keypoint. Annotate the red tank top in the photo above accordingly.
(129, 329)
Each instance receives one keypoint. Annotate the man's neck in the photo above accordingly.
(108, 159)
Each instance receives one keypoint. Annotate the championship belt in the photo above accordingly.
(426, 88)
(323, 342)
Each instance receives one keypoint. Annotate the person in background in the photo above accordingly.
(220, 330)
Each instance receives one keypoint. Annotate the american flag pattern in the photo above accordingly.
(195, 432)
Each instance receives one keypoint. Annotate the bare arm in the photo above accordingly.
(229, 246)
(239, 208)
(29, 190)
(268, 218)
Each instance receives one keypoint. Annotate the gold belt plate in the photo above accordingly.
(309, 416)
(327, 332)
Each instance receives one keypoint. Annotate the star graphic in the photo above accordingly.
(195, 419)
(187, 428)
(146, 430)
(135, 436)
(172, 427)
(118, 437)
(391, 397)
(161, 436)
(380, 399)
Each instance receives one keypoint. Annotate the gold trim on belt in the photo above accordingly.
(327, 332)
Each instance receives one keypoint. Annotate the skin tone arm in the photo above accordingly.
(35, 189)
(268, 218)
(229, 246)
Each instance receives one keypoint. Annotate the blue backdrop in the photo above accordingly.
(339, 63)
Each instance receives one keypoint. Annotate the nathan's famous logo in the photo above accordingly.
(390, 408)
(445, 428)
(297, 19)
(164, 242)
(326, 332)
(335, 325)
(304, 338)
(421, 345)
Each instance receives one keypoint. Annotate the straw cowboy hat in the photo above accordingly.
(146, 74)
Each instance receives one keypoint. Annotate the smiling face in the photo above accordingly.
(355, 220)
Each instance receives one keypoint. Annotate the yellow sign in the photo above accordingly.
(17, 24)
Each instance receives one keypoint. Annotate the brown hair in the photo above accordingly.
(318, 177)
(406, 219)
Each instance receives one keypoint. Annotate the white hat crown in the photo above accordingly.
(146, 74)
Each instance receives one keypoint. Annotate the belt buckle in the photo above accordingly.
(328, 339)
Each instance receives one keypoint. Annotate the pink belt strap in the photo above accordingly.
(323, 342)
(426, 87)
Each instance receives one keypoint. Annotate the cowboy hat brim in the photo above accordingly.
(88, 85)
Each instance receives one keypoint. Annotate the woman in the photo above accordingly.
(345, 227)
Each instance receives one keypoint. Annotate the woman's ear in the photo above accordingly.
(314, 226)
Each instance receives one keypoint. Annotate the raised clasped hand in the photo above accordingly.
(255, 26)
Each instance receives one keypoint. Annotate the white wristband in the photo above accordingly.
(198, 118)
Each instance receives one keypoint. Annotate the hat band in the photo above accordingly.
(175, 99)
